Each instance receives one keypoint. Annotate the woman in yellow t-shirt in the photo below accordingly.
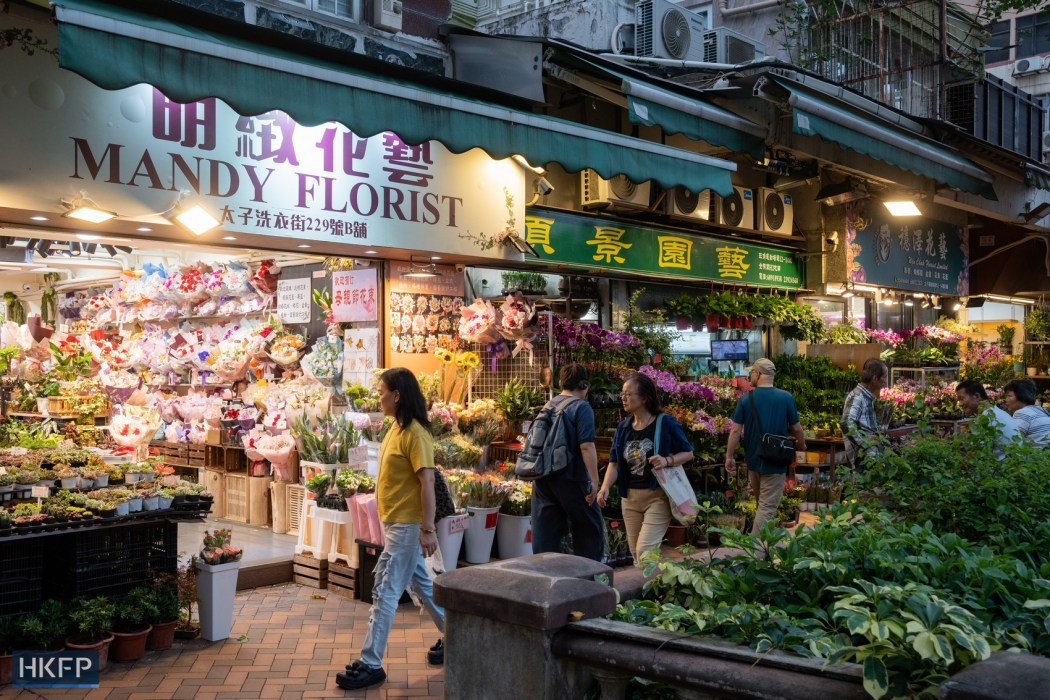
(405, 499)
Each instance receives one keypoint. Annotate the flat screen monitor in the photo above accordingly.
(729, 350)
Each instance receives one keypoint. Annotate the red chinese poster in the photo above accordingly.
(355, 295)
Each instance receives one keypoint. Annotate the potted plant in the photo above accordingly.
(514, 525)
(68, 477)
(682, 309)
(164, 612)
(131, 625)
(482, 495)
(91, 620)
(217, 583)
(46, 628)
(11, 638)
(5, 522)
(186, 592)
(517, 403)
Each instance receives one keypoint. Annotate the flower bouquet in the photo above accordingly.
(278, 450)
(333, 440)
(187, 285)
(218, 549)
(483, 491)
(213, 282)
(479, 323)
(325, 362)
(456, 452)
(231, 360)
(519, 500)
(134, 427)
(235, 280)
(119, 385)
(286, 349)
(265, 278)
(192, 406)
(304, 399)
(443, 418)
(518, 323)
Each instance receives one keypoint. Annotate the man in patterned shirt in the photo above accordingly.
(859, 425)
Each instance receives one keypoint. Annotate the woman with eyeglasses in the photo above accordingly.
(646, 510)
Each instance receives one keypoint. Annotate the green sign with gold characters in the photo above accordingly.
(592, 242)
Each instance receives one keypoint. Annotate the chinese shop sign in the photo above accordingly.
(134, 150)
(354, 295)
(293, 300)
(909, 253)
(629, 247)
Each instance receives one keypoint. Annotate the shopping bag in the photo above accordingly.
(680, 494)
(358, 517)
(375, 528)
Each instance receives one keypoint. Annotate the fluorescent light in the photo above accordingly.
(902, 207)
(847, 293)
(38, 218)
(88, 237)
(422, 272)
(196, 220)
(1008, 300)
(371, 252)
(144, 229)
(304, 245)
(92, 215)
(229, 238)
(435, 257)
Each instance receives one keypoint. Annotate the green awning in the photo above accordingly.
(652, 105)
(812, 116)
(116, 48)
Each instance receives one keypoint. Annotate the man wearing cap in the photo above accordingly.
(775, 412)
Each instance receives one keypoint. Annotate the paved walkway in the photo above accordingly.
(287, 643)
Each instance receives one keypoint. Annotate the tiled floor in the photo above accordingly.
(260, 544)
(287, 643)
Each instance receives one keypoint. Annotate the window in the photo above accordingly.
(1033, 35)
(339, 8)
(999, 41)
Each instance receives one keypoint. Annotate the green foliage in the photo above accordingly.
(134, 611)
(70, 367)
(1037, 324)
(649, 327)
(844, 334)
(517, 401)
(801, 322)
(47, 627)
(11, 636)
(91, 618)
(682, 306)
(524, 281)
(1006, 337)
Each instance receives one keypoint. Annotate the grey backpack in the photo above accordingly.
(548, 446)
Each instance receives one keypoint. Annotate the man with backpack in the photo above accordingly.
(564, 494)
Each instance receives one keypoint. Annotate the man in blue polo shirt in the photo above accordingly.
(774, 412)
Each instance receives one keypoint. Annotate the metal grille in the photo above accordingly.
(487, 383)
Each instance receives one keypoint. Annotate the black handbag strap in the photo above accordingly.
(753, 414)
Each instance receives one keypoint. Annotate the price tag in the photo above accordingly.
(41, 491)
(458, 523)
(3, 470)
(490, 520)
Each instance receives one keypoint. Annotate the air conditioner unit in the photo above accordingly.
(619, 192)
(386, 15)
(682, 203)
(737, 209)
(665, 30)
(774, 212)
(1046, 142)
(723, 45)
(1032, 64)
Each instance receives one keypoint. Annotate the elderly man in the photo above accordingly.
(858, 423)
(764, 409)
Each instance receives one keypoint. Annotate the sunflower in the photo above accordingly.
(471, 360)
(444, 355)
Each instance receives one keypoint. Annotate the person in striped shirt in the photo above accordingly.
(858, 422)
(1033, 421)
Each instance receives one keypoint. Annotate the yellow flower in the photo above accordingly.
(461, 360)
(471, 360)
(443, 354)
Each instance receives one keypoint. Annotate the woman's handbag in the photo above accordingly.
(778, 450)
(443, 504)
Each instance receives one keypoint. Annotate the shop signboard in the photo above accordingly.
(593, 242)
(355, 295)
(279, 183)
(293, 300)
(912, 253)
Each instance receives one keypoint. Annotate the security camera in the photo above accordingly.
(460, 267)
(27, 287)
(543, 186)
(831, 240)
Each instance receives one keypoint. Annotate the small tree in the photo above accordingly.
(186, 582)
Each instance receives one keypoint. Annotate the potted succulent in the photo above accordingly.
(165, 496)
(131, 625)
(68, 476)
(7, 486)
(163, 613)
(5, 522)
(91, 620)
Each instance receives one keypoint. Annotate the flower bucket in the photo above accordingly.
(216, 586)
(480, 534)
(373, 457)
(745, 322)
(514, 535)
(450, 538)
(713, 321)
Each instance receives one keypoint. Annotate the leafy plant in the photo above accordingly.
(682, 306)
(11, 635)
(133, 612)
(91, 618)
(517, 402)
(164, 593)
(1006, 337)
(47, 627)
(186, 587)
(845, 334)
(70, 366)
(1037, 324)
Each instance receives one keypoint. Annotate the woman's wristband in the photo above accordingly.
(428, 530)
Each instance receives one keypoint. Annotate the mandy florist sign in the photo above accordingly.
(614, 245)
(134, 150)
(55, 669)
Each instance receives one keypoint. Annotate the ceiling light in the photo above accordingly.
(109, 249)
(44, 248)
(435, 257)
(89, 248)
(38, 218)
(909, 302)
(229, 238)
(901, 207)
(89, 213)
(74, 248)
(144, 229)
(1030, 216)
(1008, 299)
(88, 237)
(125, 249)
(304, 245)
(371, 252)
(956, 306)
(421, 269)
(196, 219)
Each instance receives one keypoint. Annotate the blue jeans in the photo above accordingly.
(400, 566)
(559, 506)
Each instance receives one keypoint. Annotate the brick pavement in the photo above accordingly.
(295, 639)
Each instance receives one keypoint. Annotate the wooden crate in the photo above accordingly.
(196, 456)
(258, 499)
(213, 456)
(234, 459)
(192, 474)
(296, 496)
(237, 497)
(215, 482)
(343, 581)
(59, 406)
(308, 571)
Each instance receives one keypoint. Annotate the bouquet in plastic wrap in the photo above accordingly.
(518, 323)
(278, 450)
(134, 427)
(479, 323)
(303, 398)
(192, 406)
(265, 278)
(154, 283)
(119, 385)
(70, 304)
(325, 361)
(286, 348)
(236, 280)
(333, 440)
(250, 440)
(187, 285)
(213, 282)
(230, 360)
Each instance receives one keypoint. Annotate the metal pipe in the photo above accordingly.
(702, 65)
(727, 11)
